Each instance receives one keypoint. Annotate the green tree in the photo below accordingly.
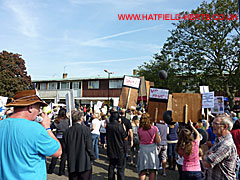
(13, 76)
(151, 72)
(204, 52)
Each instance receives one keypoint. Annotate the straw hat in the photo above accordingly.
(26, 98)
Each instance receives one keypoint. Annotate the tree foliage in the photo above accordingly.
(202, 52)
(13, 76)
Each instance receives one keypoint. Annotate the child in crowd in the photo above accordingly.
(136, 142)
(179, 166)
(188, 147)
(162, 147)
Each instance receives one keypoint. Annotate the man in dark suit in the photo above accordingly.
(78, 146)
(129, 140)
(116, 147)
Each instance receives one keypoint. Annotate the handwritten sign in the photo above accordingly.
(208, 100)
(158, 93)
(132, 82)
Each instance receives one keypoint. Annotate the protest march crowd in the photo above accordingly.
(28, 135)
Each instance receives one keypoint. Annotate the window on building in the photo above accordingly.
(65, 85)
(43, 86)
(75, 85)
(93, 84)
(52, 86)
(115, 84)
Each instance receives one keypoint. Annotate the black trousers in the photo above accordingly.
(119, 164)
(85, 175)
(62, 162)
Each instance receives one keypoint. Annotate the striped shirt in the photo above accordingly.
(222, 158)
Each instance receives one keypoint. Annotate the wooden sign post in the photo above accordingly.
(186, 113)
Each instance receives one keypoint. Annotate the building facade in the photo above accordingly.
(85, 90)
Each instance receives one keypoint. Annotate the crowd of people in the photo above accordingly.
(128, 136)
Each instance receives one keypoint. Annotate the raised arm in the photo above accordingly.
(195, 130)
(46, 124)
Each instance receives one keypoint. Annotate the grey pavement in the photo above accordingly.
(100, 170)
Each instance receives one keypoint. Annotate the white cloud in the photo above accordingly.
(25, 18)
(105, 42)
(124, 33)
(110, 60)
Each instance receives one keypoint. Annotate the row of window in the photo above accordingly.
(77, 85)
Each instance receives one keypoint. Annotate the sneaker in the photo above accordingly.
(164, 174)
(160, 168)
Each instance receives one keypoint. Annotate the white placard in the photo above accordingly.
(208, 100)
(99, 104)
(3, 102)
(115, 102)
(96, 109)
(158, 93)
(131, 82)
(204, 89)
(218, 105)
(70, 104)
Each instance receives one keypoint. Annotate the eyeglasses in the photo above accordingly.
(217, 124)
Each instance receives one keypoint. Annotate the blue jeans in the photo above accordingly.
(237, 172)
(192, 175)
(172, 150)
(95, 138)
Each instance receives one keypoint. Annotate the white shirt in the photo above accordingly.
(97, 125)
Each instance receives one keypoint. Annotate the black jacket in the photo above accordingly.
(115, 139)
(79, 149)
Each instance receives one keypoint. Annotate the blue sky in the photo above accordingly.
(84, 37)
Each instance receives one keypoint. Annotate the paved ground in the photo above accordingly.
(100, 168)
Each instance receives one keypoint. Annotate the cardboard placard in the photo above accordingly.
(128, 98)
(194, 103)
(161, 108)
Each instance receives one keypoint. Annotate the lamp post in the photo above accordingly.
(109, 73)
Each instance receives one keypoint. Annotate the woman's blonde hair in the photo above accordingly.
(145, 121)
(185, 139)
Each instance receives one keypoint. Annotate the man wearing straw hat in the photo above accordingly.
(24, 142)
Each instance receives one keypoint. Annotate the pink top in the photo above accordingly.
(147, 137)
(191, 162)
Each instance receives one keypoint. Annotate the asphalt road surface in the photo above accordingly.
(100, 170)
